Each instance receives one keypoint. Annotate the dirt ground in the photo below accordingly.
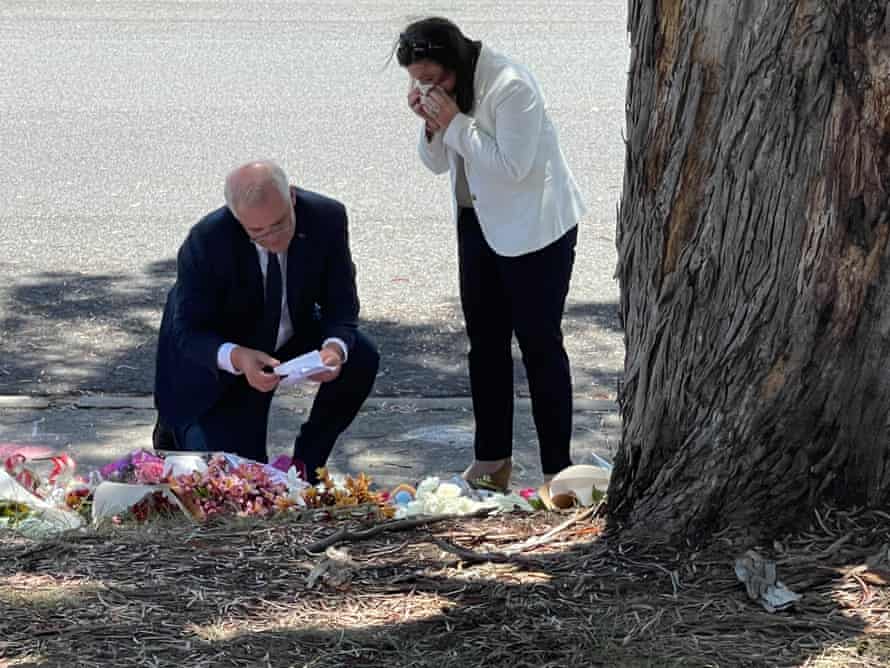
(546, 589)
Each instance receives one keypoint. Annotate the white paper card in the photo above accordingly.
(300, 368)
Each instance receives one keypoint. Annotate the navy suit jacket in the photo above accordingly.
(218, 297)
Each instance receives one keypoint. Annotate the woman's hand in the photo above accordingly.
(415, 103)
(440, 107)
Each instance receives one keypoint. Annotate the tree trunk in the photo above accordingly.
(752, 245)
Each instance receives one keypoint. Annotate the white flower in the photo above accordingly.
(448, 490)
(295, 486)
(339, 481)
(449, 498)
(427, 486)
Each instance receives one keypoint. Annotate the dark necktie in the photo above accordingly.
(272, 310)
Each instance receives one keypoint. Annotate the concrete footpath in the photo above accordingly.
(393, 440)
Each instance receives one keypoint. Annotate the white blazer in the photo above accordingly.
(523, 191)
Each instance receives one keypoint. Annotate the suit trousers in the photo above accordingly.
(238, 422)
(524, 295)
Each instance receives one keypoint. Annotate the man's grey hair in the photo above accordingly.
(243, 192)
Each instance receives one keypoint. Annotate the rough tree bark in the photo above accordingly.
(752, 245)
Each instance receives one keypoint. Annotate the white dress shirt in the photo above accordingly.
(285, 326)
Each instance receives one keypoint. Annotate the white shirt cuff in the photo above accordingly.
(340, 343)
(224, 358)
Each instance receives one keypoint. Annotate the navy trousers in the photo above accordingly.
(238, 422)
(524, 295)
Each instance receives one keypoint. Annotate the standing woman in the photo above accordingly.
(517, 208)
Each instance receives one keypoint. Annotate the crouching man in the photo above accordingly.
(259, 281)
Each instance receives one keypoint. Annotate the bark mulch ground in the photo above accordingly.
(536, 590)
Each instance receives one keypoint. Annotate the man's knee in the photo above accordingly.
(364, 357)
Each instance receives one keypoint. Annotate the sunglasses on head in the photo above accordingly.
(412, 49)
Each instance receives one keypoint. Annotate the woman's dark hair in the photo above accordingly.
(442, 42)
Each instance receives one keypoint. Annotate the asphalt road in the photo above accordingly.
(120, 120)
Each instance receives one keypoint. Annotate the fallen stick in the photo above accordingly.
(344, 535)
(827, 553)
(472, 557)
(509, 555)
(537, 541)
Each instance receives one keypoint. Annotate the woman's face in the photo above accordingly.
(426, 71)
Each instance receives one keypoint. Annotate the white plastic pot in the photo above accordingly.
(579, 481)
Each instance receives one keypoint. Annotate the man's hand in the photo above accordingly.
(331, 355)
(251, 363)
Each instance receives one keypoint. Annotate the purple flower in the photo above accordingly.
(116, 468)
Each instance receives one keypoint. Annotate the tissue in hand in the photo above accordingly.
(424, 87)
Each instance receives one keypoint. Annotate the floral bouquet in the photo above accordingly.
(79, 498)
(339, 494)
(41, 477)
(137, 467)
(153, 506)
(455, 497)
(232, 487)
(12, 512)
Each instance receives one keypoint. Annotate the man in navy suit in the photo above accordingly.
(263, 279)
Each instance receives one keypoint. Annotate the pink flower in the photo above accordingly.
(528, 493)
(144, 456)
(150, 472)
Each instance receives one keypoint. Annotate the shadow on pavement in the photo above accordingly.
(70, 333)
